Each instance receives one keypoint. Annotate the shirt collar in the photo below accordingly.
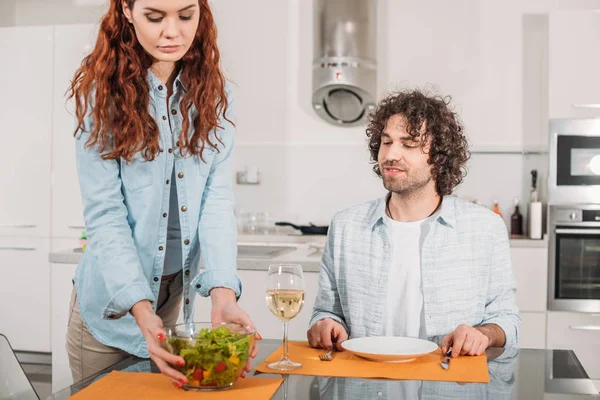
(156, 84)
(182, 81)
(446, 215)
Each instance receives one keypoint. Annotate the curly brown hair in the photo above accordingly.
(112, 79)
(448, 152)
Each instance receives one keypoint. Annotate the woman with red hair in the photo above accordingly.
(154, 139)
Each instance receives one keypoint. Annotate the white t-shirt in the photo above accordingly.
(404, 303)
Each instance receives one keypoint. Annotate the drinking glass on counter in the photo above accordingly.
(285, 299)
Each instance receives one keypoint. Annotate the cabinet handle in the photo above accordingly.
(591, 105)
(585, 327)
(76, 227)
(18, 248)
(18, 226)
(577, 231)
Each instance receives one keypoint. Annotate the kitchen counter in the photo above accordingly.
(514, 374)
(526, 242)
(303, 250)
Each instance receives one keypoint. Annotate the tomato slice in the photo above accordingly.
(220, 367)
(198, 374)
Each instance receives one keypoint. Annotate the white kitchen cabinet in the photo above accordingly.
(25, 126)
(532, 334)
(574, 64)
(253, 302)
(530, 267)
(579, 332)
(25, 292)
(71, 44)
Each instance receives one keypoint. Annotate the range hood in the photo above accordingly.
(344, 65)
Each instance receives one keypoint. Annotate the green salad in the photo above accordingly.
(213, 357)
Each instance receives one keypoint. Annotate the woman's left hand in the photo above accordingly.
(226, 309)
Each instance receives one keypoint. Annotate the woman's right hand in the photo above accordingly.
(152, 328)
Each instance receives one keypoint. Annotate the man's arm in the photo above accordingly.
(494, 333)
(500, 324)
(501, 319)
(328, 304)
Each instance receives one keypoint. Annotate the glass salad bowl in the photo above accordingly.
(214, 356)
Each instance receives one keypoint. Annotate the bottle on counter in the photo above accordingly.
(496, 208)
(516, 220)
(535, 210)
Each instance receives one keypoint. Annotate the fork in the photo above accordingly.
(327, 356)
(445, 363)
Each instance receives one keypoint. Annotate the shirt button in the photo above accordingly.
(164, 117)
(165, 215)
(160, 87)
(180, 175)
(170, 150)
(186, 241)
(184, 208)
(380, 394)
(174, 112)
(160, 248)
(198, 286)
(187, 272)
(167, 181)
(160, 150)
(177, 143)
(187, 301)
(155, 279)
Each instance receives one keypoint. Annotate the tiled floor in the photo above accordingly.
(40, 376)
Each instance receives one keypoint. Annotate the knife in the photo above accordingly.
(446, 360)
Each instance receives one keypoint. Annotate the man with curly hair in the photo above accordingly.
(418, 262)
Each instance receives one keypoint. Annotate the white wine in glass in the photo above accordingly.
(285, 299)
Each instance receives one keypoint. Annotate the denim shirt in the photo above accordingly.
(126, 206)
(466, 273)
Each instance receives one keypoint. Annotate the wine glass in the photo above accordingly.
(285, 298)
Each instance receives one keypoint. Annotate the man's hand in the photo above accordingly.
(473, 341)
(325, 333)
(226, 309)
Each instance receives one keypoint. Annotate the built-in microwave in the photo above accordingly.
(574, 157)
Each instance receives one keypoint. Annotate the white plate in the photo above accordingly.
(389, 348)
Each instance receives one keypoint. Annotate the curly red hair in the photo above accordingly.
(113, 79)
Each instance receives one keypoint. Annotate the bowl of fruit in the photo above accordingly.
(214, 356)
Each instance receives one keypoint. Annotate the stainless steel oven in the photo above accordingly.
(574, 156)
(574, 258)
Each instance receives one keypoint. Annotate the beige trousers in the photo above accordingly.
(87, 356)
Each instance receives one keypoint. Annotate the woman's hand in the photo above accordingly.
(152, 328)
(225, 309)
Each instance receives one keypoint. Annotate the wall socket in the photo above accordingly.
(250, 176)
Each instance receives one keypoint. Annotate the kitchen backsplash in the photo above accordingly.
(310, 183)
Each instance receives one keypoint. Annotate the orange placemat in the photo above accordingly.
(346, 364)
(148, 386)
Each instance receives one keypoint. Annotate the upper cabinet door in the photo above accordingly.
(574, 64)
(25, 131)
(71, 44)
